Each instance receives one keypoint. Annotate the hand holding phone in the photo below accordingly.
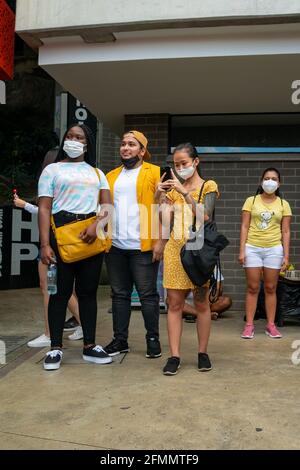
(166, 170)
(165, 175)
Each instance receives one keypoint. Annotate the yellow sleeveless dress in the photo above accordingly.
(174, 276)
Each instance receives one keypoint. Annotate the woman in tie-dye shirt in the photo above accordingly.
(69, 190)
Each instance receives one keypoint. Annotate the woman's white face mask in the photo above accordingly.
(269, 186)
(186, 173)
(73, 148)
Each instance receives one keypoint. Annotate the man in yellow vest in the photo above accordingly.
(136, 250)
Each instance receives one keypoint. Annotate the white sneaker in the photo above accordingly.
(40, 342)
(78, 334)
(53, 359)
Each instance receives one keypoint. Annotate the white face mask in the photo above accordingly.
(73, 148)
(186, 173)
(269, 186)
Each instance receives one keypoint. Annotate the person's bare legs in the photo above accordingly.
(189, 309)
(201, 300)
(253, 276)
(43, 285)
(189, 313)
(74, 307)
(176, 300)
(270, 285)
(221, 305)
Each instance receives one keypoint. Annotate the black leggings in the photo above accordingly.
(86, 274)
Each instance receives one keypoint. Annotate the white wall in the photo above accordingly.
(175, 44)
(34, 15)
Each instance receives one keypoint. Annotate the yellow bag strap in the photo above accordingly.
(52, 224)
(98, 175)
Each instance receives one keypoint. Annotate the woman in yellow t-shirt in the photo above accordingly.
(264, 247)
(178, 204)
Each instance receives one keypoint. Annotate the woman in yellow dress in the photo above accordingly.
(178, 204)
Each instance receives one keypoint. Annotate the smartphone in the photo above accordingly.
(167, 171)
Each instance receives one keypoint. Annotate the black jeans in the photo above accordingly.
(86, 274)
(126, 267)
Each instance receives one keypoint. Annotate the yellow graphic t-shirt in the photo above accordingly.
(265, 225)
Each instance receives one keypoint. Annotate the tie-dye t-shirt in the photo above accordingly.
(74, 187)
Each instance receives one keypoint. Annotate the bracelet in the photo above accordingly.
(44, 245)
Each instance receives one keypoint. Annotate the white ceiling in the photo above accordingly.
(252, 84)
(241, 69)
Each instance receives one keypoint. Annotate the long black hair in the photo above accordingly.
(90, 153)
(190, 149)
(260, 188)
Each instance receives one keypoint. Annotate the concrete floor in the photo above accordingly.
(250, 400)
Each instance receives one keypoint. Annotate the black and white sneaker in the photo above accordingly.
(204, 364)
(116, 347)
(189, 318)
(71, 324)
(172, 366)
(153, 348)
(53, 359)
(96, 354)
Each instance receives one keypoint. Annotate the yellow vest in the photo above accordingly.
(147, 181)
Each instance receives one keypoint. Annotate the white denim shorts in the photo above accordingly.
(257, 257)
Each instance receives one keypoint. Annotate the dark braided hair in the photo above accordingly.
(90, 153)
(191, 151)
(260, 189)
